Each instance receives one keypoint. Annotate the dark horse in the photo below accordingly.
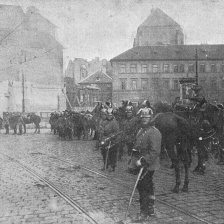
(32, 119)
(176, 134)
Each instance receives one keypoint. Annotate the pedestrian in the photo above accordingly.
(146, 153)
(130, 128)
(109, 129)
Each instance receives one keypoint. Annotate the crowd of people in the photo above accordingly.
(143, 142)
(130, 127)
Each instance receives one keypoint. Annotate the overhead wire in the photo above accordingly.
(34, 57)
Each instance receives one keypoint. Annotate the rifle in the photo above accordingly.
(107, 142)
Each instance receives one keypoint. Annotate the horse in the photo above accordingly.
(32, 119)
(176, 133)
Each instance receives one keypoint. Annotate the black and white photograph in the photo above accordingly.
(111, 111)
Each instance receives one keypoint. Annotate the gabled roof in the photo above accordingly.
(97, 77)
(172, 52)
(159, 18)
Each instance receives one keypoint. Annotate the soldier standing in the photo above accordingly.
(203, 138)
(145, 155)
(108, 137)
(145, 105)
(130, 127)
(6, 124)
(20, 124)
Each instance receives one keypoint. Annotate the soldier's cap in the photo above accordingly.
(146, 112)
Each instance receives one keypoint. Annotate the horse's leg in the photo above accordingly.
(187, 161)
(24, 126)
(38, 126)
(186, 178)
(175, 161)
(35, 129)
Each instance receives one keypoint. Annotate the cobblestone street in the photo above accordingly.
(27, 199)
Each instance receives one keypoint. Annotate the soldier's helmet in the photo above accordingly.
(129, 109)
(146, 112)
(110, 111)
(104, 111)
(205, 124)
(146, 103)
(220, 106)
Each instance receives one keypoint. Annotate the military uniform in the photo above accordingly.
(20, 124)
(131, 126)
(203, 138)
(148, 145)
(107, 129)
(146, 155)
(6, 124)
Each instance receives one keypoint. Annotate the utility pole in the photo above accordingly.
(23, 81)
(23, 91)
(196, 67)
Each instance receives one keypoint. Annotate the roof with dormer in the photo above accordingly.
(97, 77)
(158, 18)
(172, 52)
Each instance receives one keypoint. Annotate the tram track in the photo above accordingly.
(117, 180)
(64, 196)
(121, 182)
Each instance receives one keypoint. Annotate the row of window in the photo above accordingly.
(162, 83)
(167, 68)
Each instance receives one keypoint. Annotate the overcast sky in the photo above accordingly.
(106, 28)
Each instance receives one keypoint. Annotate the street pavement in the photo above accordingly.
(25, 199)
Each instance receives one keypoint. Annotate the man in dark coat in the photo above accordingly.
(130, 128)
(146, 154)
(108, 130)
(203, 138)
(20, 124)
(6, 124)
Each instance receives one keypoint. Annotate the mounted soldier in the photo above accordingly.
(109, 130)
(145, 154)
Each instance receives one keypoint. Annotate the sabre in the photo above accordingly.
(108, 148)
(132, 194)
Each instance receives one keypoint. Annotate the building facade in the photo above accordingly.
(159, 29)
(153, 72)
(31, 60)
(96, 87)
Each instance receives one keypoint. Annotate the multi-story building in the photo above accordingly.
(153, 72)
(159, 29)
(31, 61)
(96, 87)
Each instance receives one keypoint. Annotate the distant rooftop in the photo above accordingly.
(172, 52)
(158, 18)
